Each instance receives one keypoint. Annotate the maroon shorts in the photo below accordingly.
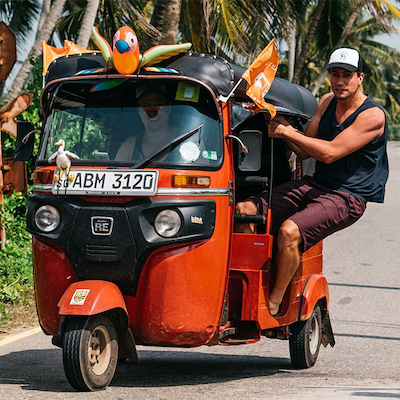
(317, 211)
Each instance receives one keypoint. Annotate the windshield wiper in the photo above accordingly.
(172, 144)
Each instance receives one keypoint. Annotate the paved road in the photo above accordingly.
(362, 267)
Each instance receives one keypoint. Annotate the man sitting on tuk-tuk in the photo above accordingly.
(347, 137)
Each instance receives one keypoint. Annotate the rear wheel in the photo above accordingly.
(305, 341)
(90, 352)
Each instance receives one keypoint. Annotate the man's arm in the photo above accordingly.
(311, 130)
(368, 126)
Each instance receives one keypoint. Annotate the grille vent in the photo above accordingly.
(101, 250)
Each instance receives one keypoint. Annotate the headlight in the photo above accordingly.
(167, 223)
(47, 218)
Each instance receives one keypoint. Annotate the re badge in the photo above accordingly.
(102, 225)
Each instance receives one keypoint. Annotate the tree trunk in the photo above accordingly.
(349, 24)
(87, 23)
(45, 12)
(292, 47)
(2, 84)
(307, 42)
(42, 35)
(165, 19)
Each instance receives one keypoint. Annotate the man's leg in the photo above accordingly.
(287, 261)
(326, 213)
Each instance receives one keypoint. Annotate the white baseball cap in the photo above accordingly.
(349, 59)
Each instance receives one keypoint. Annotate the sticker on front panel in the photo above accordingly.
(209, 155)
(188, 91)
(79, 297)
(190, 152)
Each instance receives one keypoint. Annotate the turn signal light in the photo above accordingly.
(41, 176)
(190, 181)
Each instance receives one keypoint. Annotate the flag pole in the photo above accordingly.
(225, 99)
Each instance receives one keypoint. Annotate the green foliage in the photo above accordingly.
(80, 132)
(394, 131)
(34, 86)
(16, 281)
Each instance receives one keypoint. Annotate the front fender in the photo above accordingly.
(315, 289)
(90, 298)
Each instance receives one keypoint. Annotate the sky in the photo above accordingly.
(392, 40)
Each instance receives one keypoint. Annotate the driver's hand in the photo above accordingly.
(277, 127)
(281, 119)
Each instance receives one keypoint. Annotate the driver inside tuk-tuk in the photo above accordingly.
(154, 114)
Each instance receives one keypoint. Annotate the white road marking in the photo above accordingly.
(19, 336)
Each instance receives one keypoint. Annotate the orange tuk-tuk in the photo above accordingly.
(137, 246)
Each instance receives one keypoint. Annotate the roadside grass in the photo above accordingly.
(17, 306)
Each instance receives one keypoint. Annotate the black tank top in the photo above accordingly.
(363, 173)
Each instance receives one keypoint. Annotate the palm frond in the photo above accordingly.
(20, 15)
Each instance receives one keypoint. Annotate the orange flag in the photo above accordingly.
(259, 76)
(50, 53)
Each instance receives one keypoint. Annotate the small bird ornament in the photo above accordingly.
(63, 161)
(125, 56)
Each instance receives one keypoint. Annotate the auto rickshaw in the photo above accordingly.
(143, 250)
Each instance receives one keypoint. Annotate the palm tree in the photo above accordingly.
(87, 23)
(301, 59)
(296, 16)
(235, 29)
(381, 66)
(110, 16)
(20, 15)
(165, 19)
(42, 34)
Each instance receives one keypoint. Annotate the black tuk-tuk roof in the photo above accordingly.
(214, 71)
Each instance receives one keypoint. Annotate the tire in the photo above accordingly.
(90, 352)
(305, 341)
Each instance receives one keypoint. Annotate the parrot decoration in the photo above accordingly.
(125, 56)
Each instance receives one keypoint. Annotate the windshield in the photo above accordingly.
(128, 122)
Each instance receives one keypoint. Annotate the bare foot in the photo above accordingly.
(273, 308)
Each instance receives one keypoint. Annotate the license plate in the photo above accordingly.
(107, 182)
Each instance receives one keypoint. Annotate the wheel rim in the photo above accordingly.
(314, 334)
(99, 350)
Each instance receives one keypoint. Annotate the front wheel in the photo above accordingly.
(305, 341)
(90, 352)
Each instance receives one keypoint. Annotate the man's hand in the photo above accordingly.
(277, 127)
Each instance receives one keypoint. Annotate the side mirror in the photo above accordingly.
(25, 141)
(250, 162)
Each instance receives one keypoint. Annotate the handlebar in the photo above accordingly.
(250, 219)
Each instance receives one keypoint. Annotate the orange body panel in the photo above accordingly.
(251, 274)
(90, 298)
(181, 290)
(315, 289)
(53, 274)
